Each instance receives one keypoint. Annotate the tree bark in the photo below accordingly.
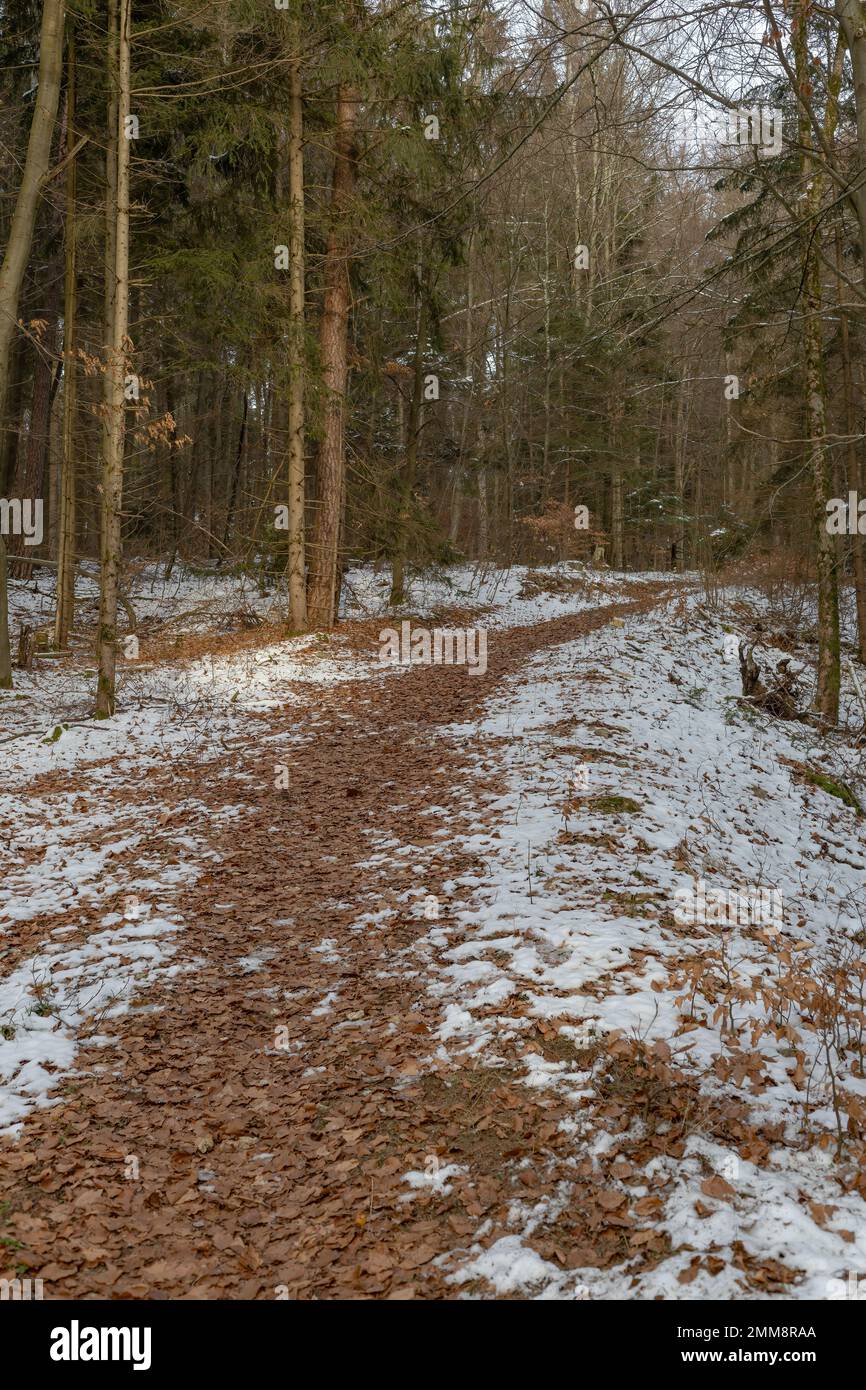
(112, 465)
(5, 653)
(827, 693)
(406, 481)
(321, 596)
(65, 594)
(852, 21)
(296, 480)
(30, 472)
(236, 475)
(36, 165)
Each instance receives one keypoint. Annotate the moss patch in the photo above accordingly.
(831, 785)
(614, 805)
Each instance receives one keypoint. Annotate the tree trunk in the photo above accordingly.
(852, 20)
(36, 166)
(681, 429)
(616, 519)
(297, 496)
(112, 464)
(65, 600)
(30, 472)
(5, 653)
(406, 482)
(236, 475)
(321, 597)
(110, 190)
(827, 692)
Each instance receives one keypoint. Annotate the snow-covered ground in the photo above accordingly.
(92, 856)
(635, 774)
(516, 597)
(188, 600)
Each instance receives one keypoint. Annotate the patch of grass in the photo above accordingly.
(816, 777)
(461, 1101)
(833, 788)
(633, 904)
(8, 1241)
(759, 793)
(615, 805)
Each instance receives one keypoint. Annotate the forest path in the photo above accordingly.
(247, 1131)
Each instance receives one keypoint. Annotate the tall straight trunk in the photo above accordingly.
(592, 239)
(856, 474)
(681, 432)
(220, 408)
(413, 428)
(616, 519)
(5, 653)
(110, 238)
(574, 144)
(65, 601)
(851, 15)
(112, 463)
(545, 450)
(321, 596)
(483, 505)
(36, 164)
(297, 493)
(506, 414)
(236, 475)
(469, 358)
(456, 511)
(827, 692)
(29, 474)
(109, 273)
(616, 480)
(16, 376)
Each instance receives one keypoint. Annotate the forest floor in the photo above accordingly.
(321, 978)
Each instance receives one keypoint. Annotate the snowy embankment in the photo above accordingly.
(642, 790)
